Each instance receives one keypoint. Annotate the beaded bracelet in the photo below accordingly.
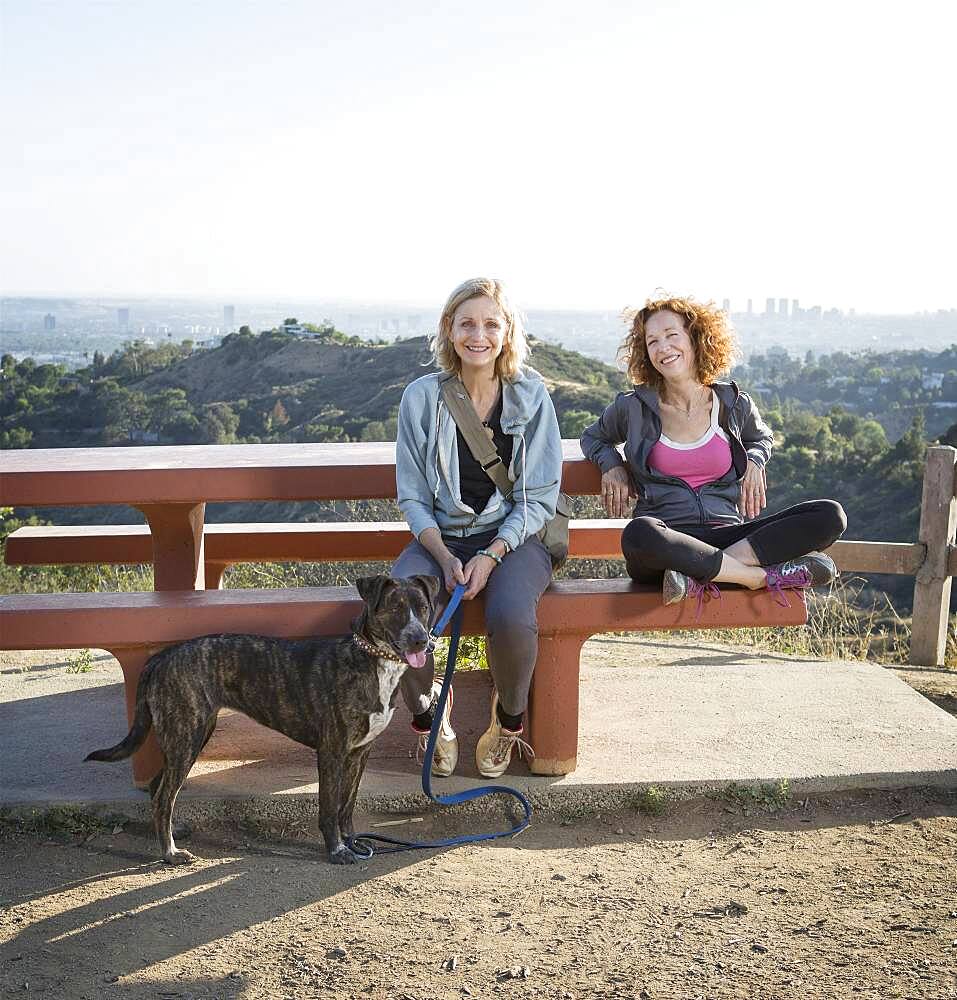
(490, 554)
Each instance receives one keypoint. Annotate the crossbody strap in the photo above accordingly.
(480, 445)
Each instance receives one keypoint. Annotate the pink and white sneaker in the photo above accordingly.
(812, 570)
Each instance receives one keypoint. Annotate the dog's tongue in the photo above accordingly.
(416, 660)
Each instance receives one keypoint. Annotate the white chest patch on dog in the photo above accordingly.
(389, 675)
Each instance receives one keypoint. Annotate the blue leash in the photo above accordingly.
(361, 843)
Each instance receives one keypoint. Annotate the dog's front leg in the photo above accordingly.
(330, 768)
(352, 775)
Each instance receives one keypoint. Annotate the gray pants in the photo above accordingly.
(511, 619)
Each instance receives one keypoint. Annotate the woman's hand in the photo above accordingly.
(452, 572)
(617, 490)
(753, 498)
(477, 571)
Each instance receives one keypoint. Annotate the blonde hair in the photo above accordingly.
(514, 342)
(713, 337)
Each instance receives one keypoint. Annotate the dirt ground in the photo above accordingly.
(844, 896)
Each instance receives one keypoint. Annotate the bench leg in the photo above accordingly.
(553, 704)
(148, 760)
(215, 571)
(178, 550)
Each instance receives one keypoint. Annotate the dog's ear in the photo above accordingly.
(430, 584)
(370, 588)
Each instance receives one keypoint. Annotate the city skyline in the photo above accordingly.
(69, 330)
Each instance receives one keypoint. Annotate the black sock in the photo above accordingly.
(423, 721)
(512, 722)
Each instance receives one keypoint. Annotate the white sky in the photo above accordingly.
(586, 151)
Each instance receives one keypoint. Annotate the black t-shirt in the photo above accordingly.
(477, 488)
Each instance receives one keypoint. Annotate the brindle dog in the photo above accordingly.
(335, 695)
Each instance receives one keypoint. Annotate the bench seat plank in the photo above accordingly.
(357, 541)
(569, 607)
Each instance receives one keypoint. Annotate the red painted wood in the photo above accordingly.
(195, 473)
(177, 534)
(148, 760)
(569, 607)
(50, 545)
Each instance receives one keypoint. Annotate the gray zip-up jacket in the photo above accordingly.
(427, 464)
(634, 420)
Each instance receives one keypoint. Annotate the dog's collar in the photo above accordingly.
(374, 650)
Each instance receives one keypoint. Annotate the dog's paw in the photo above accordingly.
(179, 857)
(342, 856)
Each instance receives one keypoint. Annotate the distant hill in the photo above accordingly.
(274, 386)
(320, 381)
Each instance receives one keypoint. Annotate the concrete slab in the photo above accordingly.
(675, 715)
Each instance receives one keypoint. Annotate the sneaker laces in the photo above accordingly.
(423, 742)
(777, 582)
(502, 750)
(438, 755)
(704, 592)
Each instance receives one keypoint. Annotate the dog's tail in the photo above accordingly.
(142, 724)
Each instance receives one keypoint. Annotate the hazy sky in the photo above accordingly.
(586, 151)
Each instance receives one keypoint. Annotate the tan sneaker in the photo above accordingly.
(446, 754)
(493, 752)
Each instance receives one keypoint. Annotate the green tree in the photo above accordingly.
(16, 437)
(574, 422)
(219, 424)
(373, 431)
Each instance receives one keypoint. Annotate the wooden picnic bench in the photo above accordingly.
(172, 485)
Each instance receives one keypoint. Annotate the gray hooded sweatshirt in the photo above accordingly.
(427, 465)
(634, 420)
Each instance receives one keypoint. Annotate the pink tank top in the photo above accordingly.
(697, 462)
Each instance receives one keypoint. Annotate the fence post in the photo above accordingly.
(938, 520)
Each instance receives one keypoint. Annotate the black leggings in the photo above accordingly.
(650, 546)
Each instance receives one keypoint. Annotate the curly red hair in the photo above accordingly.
(715, 342)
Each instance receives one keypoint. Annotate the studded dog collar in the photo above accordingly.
(373, 650)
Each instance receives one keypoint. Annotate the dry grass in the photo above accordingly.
(842, 624)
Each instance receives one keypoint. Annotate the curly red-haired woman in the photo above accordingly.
(695, 450)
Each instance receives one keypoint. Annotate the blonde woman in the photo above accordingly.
(694, 454)
(466, 531)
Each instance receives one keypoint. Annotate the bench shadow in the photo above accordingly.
(44, 740)
(715, 654)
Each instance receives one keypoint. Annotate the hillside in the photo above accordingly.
(360, 379)
(274, 386)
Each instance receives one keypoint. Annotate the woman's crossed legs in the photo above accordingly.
(735, 553)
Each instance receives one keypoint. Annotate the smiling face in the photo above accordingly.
(478, 333)
(669, 345)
